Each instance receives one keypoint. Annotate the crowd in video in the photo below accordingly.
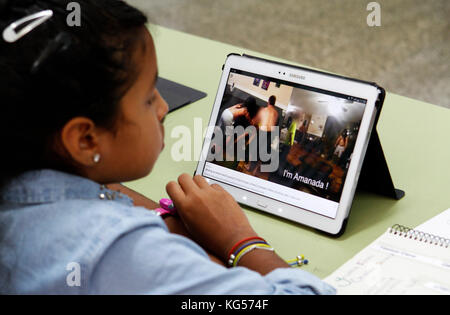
(292, 136)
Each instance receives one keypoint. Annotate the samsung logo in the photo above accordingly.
(297, 76)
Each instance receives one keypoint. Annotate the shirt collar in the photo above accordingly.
(48, 186)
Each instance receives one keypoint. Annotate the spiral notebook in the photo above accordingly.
(402, 261)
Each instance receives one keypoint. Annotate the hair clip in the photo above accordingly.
(11, 33)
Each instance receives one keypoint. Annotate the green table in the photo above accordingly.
(415, 137)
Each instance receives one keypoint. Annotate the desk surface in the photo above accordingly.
(414, 137)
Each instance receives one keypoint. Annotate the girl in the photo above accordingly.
(81, 113)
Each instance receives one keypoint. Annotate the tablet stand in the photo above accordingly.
(375, 175)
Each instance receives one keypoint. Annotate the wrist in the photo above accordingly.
(242, 247)
(262, 261)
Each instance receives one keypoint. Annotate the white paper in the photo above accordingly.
(439, 225)
(395, 265)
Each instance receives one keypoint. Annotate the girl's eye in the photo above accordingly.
(150, 101)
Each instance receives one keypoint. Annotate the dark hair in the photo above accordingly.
(345, 133)
(58, 72)
(272, 100)
(252, 106)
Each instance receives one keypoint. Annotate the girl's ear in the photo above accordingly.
(80, 138)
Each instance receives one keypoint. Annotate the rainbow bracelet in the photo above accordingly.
(234, 259)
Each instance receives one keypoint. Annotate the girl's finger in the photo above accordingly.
(187, 183)
(201, 181)
(175, 192)
(217, 187)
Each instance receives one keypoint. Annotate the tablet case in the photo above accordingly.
(375, 176)
(177, 95)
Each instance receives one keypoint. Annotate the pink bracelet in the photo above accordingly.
(167, 208)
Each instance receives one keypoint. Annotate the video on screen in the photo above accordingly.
(292, 135)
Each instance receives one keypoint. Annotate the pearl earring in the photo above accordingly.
(97, 158)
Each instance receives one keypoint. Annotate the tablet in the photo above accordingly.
(289, 141)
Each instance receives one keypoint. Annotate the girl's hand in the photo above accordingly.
(174, 224)
(210, 214)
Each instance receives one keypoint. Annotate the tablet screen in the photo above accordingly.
(285, 141)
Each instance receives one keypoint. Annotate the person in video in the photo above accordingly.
(230, 114)
(243, 115)
(341, 144)
(251, 109)
(268, 116)
(266, 121)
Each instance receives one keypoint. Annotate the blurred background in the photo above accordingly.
(409, 54)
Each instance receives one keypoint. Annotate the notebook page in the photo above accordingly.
(439, 225)
(395, 265)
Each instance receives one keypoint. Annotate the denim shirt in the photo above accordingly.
(64, 234)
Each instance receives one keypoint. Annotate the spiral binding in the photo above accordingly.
(419, 236)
